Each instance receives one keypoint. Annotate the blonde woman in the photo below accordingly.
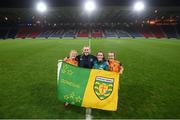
(72, 58)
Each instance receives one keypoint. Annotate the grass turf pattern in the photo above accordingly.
(149, 87)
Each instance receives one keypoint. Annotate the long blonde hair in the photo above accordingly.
(72, 51)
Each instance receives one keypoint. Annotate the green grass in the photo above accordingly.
(150, 85)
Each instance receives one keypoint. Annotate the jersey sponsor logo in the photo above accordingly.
(103, 87)
(101, 66)
(91, 59)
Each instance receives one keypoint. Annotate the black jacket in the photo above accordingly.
(86, 61)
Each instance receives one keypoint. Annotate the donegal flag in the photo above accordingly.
(87, 87)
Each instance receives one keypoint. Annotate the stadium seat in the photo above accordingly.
(110, 33)
(83, 33)
(157, 31)
(122, 33)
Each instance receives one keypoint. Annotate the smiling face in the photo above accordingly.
(86, 51)
(100, 56)
(111, 56)
(72, 54)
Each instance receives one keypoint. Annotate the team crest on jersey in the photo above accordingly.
(103, 87)
(91, 59)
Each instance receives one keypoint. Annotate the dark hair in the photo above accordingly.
(104, 59)
(112, 52)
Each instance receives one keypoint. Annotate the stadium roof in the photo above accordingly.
(58, 3)
(105, 14)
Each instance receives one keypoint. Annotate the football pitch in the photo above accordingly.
(149, 87)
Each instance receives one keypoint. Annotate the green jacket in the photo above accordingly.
(101, 65)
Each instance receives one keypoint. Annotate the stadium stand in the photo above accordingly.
(12, 32)
(157, 31)
(70, 33)
(83, 33)
(45, 33)
(34, 31)
(170, 31)
(114, 23)
(96, 33)
(122, 33)
(146, 32)
(110, 33)
(23, 32)
(133, 31)
(178, 31)
(57, 33)
(3, 32)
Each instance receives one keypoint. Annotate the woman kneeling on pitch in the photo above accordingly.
(100, 63)
(114, 65)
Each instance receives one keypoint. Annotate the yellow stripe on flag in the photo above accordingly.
(97, 98)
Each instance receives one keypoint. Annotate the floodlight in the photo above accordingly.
(139, 6)
(90, 6)
(41, 7)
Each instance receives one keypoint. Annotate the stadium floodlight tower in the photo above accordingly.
(41, 7)
(89, 6)
(139, 6)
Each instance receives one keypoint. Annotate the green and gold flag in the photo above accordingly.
(89, 88)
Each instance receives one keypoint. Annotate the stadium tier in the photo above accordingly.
(122, 33)
(70, 33)
(110, 33)
(97, 33)
(163, 31)
(110, 22)
(170, 31)
(158, 31)
(147, 33)
(83, 33)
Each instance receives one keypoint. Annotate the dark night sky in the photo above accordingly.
(57, 3)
